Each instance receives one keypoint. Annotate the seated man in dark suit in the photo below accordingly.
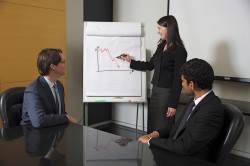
(43, 103)
(195, 132)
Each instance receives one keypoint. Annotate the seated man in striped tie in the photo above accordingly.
(196, 131)
(43, 103)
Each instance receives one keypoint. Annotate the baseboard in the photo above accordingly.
(129, 125)
(100, 124)
(241, 153)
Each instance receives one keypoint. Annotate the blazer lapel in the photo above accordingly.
(203, 101)
(180, 119)
(46, 91)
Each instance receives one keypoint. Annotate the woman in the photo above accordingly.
(167, 60)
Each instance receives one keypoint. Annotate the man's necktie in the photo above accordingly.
(184, 118)
(57, 98)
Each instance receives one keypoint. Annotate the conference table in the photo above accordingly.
(76, 145)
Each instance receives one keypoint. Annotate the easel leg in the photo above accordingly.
(136, 128)
(85, 114)
(143, 117)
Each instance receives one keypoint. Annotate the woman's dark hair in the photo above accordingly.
(198, 71)
(173, 35)
(47, 57)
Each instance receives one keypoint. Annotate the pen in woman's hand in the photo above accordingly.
(121, 56)
(124, 57)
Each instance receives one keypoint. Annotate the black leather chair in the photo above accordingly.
(233, 126)
(11, 102)
(11, 133)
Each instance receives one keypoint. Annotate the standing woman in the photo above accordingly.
(167, 60)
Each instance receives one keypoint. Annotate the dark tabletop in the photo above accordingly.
(76, 145)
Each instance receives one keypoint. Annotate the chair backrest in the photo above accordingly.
(11, 133)
(11, 101)
(233, 125)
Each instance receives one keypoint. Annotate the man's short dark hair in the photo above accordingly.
(47, 57)
(198, 71)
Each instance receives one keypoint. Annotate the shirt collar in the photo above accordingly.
(50, 83)
(198, 100)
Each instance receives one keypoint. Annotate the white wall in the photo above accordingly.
(148, 12)
(209, 33)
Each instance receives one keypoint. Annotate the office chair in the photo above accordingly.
(11, 133)
(11, 101)
(233, 126)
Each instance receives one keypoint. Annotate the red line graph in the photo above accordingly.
(103, 50)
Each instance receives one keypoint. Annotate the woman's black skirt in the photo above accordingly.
(158, 105)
